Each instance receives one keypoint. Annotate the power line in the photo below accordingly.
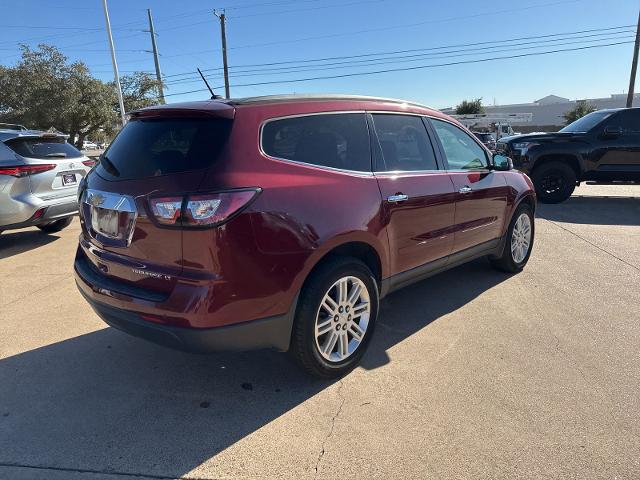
(603, 31)
(418, 67)
(406, 25)
(404, 59)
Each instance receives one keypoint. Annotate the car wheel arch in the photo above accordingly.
(363, 250)
(572, 160)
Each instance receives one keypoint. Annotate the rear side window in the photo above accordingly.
(404, 143)
(42, 148)
(327, 140)
(154, 147)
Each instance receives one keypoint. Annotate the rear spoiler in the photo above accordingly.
(210, 108)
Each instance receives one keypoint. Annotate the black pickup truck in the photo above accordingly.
(603, 146)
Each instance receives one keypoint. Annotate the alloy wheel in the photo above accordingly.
(342, 319)
(521, 238)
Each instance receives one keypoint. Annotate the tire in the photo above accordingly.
(321, 356)
(554, 182)
(514, 261)
(55, 226)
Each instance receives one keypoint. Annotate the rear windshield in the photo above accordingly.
(154, 147)
(43, 148)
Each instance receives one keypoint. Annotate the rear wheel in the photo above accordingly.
(335, 318)
(55, 226)
(554, 182)
(519, 242)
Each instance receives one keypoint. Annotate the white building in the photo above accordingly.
(547, 111)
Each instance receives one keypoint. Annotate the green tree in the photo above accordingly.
(44, 90)
(581, 109)
(468, 107)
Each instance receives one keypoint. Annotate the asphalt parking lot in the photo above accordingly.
(472, 374)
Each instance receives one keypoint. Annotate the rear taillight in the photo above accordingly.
(203, 210)
(24, 170)
(167, 210)
(89, 163)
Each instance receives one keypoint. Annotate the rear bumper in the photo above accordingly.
(51, 213)
(272, 332)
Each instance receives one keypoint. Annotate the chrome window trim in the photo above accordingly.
(305, 164)
(347, 171)
(403, 172)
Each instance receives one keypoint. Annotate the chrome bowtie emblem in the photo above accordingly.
(96, 199)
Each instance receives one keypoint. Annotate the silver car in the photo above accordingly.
(39, 177)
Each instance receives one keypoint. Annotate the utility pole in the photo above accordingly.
(115, 64)
(155, 57)
(634, 66)
(223, 32)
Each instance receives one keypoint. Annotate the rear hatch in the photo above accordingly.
(59, 165)
(160, 156)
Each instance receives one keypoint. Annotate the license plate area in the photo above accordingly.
(110, 217)
(69, 179)
(106, 222)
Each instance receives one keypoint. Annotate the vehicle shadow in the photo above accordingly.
(593, 210)
(108, 402)
(20, 241)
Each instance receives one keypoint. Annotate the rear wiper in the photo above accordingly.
(109, 166)
(56, 155)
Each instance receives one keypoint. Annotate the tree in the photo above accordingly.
(468, 107)
(581, 109)
(43, 90)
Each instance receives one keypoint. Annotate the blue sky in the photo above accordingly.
(268, 31)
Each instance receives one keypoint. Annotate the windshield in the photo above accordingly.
(154, 147)
(43, 148)
(586, 123)
(484, 137)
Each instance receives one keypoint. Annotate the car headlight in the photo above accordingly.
(524, 146)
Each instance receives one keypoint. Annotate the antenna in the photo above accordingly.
(213, 95)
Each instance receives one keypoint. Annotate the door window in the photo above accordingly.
(460, 149)
(627, 120)
(404, 143)
(327, 140)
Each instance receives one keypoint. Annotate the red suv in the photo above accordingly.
(280, 222)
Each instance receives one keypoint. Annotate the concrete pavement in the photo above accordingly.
(471, 374)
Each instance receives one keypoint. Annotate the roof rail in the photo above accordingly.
(302, 97)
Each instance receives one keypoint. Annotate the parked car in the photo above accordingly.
(487, 139)
(39, 177)
(602, 146)
(87, 145)
(282, 221)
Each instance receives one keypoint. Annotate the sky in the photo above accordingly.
(365, 35)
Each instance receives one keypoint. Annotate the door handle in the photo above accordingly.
(398, 197)
(465, 189)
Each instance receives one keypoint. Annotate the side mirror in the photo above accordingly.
(502, 163)
(612, 132)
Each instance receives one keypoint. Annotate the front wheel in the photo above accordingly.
(519, 242)
(55, 226)
(335, 318)
(554, 182)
